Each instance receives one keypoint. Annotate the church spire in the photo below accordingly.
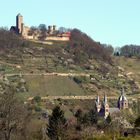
(98, 104)
(97, 99)
(105, 99)
(122, 101)
(105, 107)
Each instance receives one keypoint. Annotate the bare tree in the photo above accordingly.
(12, 113)
(43, 32)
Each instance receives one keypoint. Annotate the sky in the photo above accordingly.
(115, 22)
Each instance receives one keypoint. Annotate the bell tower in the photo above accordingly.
(105, 107)
(19, 23)
(122, 101)
(98, 104)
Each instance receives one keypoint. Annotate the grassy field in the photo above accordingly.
(51, 85)
(129, 64)
(56, 59)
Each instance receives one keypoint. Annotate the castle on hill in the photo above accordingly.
(103, 108)
(24, 31)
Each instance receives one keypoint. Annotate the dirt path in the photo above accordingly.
(9, 64)
(50, 74)
(89, 97)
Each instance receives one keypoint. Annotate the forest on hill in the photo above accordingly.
(81, 47)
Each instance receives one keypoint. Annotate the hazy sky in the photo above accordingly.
(115, 22)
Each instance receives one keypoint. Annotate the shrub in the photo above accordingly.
(80, 80)
(37, 99)
(37, 109)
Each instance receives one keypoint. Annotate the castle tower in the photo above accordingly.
(122, 101)
(98, 104)
(19, 23)
(50, 28)
(105, 107)
(54, 27)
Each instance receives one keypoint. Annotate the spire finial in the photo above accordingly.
(97, 99)
(122, 91)
(105, 98)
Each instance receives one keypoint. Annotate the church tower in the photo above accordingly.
(98, 104)
(122, 101)
(19, 23)
(105, 107)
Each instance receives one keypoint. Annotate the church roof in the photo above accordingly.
(114, 110)
(122, 97)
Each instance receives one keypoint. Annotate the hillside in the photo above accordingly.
(81, 55)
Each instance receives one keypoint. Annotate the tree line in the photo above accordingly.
(82, 48)
(128, 51)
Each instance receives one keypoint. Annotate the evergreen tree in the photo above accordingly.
(86, 119)
(79, 116)
(108, 119)
(137, 122)
(93, 115)
(56, 126)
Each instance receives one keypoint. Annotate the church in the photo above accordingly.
(103, 108)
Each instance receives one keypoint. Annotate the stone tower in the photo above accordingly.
(50, 28)
(122, 101)
(98, 104)
(105, 107)
(19, 23)
(54, 27)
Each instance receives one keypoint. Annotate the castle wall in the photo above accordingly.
(26, 36)
(25, 31)
(58, 38)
